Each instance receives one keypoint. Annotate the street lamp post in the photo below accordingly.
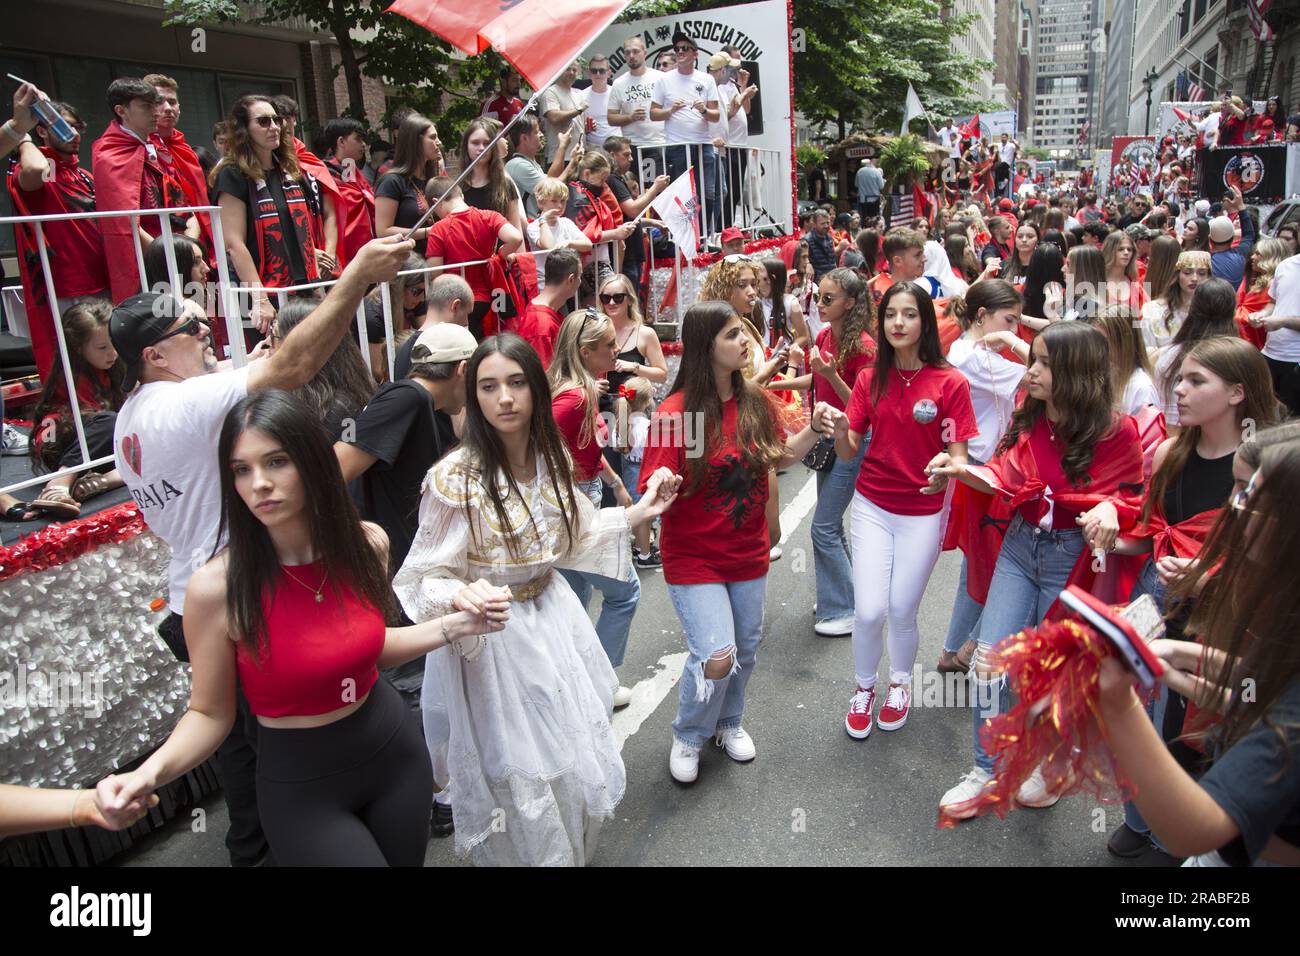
(1149, 81)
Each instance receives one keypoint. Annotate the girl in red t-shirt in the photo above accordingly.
(915, 405)
(720, 432)
(585, 352)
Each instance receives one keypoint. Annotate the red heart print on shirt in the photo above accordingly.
(131, 452)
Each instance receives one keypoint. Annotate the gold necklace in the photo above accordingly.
(317, 591)
(908, 381)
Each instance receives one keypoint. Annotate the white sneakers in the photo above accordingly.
(738, 744)
(834, 627)
(1033, 792)
(684, 760)
(775, 553)
(622, 697)
(958, 803)
(13, 442)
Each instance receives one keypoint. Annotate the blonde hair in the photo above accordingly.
(1271, 252)
(1128, 353)
(723, 277)
(550, 188)
(625, 408)
(1110, 249)
(633, 306)
(582, 329)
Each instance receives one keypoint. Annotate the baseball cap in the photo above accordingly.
(1202, 207)
(443, 342)
(1006, 205)
(1221, 229)
(139, 322)
(1137, 231)
(719, 60)
(731, 234)
(678, 35)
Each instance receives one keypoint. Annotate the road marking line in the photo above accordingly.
(648, 694)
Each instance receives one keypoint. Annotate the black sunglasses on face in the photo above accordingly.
(266, 122)
(683, 49)
(189, 328)
(613, 298)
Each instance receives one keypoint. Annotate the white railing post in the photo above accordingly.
(386, 300)
(68, 378)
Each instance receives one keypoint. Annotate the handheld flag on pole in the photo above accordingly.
(912, 109)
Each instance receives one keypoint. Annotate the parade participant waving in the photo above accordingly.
(915, 406)
(294, 608)
(715, 541)
(521, 722)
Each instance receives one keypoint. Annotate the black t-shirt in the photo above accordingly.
(480, 197)
(411, 204)
(278, 215)
(633, 248)
(398, 428)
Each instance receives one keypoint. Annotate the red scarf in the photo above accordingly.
(1248, 302)
(309, 162)
(354, 211)
(190, 173)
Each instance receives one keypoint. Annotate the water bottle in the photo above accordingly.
(52, 121)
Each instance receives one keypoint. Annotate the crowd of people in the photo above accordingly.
(1039, 380)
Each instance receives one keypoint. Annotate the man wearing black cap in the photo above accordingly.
(165, 442)
(686, 102)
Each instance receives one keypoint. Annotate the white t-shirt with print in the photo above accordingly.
(565, 230)
(165, 443)
(738, 125)
(630, 93)
(687, 125)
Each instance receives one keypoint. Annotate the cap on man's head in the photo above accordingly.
(719, 60)
(1137, 232)
(731, 234)
(1221, 229)
(678, 36)
(1006, 205)
(1202, 207)
(443, 342)
(139, 322)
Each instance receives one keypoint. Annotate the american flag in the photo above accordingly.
(1083, 133)
(1194, 92)
(1255, 9)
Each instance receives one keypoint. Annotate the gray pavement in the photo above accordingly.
(814, 795)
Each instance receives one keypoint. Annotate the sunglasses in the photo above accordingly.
(266, 122)
(598, 72)
(191, 327)
(826, 298)
(683, 49)
(613, 298)
(1241, 499)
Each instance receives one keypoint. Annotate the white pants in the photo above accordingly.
(893, 556)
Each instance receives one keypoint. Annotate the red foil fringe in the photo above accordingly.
(61, 543)
(706, 259)
(1058, 662)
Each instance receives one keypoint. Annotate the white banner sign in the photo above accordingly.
(1170, 123)
(993, 125)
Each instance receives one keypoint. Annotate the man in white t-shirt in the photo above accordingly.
(630, 98)
(735, 94)
(1282, 350)
(165, 443)
(686, 101)
(597, 122)
(562, 108)
(950, 139)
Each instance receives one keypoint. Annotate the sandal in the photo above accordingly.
(93, 483)
(56, 500)
(18, 511)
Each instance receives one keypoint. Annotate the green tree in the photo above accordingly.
(419, 69)
(858, 58)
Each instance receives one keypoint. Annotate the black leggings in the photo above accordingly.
(356, 792)
(1286, 382)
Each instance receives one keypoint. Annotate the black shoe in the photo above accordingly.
(651, 560)
(441, 823)
(1127, 843)
(1154, 856)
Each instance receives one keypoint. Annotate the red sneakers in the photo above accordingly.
(858, 721)
(898, 701)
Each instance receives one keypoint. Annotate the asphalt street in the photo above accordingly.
(814, 795)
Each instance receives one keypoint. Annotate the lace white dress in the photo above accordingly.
(518, 722)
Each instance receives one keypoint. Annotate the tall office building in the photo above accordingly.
(1066, 89)
(978, 41)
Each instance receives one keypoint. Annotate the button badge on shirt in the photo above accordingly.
(925, 411)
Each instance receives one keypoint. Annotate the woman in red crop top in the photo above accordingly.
(294, 608)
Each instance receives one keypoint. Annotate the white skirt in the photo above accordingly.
(524, 727)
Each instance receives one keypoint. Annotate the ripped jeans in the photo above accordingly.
(720, 620)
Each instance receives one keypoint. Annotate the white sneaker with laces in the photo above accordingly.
(622, 697)
(684, 762)
(834, 627)
(738, 744)
(1033, 792)
(13, 442)
(957, 803)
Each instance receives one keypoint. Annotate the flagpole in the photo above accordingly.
(532, 100)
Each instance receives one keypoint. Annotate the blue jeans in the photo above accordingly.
(831, 562)
(965, 621)
(631, 476)
(1031, 572)
(619, 598)
(676, 157)
(717, 619)
(1149, 583)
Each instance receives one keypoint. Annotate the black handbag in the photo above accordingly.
(821, 457)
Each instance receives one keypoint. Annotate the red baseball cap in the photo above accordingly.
(1006, 205)
(731, 234)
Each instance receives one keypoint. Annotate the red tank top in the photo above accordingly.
(318, 657)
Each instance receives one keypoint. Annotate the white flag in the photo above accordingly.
(912, 109)
(679, 208)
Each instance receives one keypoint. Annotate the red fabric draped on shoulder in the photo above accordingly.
(118, 165)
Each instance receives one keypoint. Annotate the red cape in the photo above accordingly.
(355, 210)
(1248, 302)
(117, 161)
(194, 183)
(311, 163)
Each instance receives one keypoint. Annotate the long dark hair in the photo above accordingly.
(1045, 267)
(499, 185)
(239, 144)
(931, 348)
(1202, 234)
(1013, 269)
(155, 261)
(1081, 391)
(1212, 312)
(755, 426)
(484, 446)
(408, 151)
(857, 320)
(342, 386)
(79, 323)
(333, 524)
(780, 325)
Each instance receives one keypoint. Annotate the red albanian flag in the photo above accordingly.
(538, 37)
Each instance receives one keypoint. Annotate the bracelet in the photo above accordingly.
(11, 130)
(816, 430)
